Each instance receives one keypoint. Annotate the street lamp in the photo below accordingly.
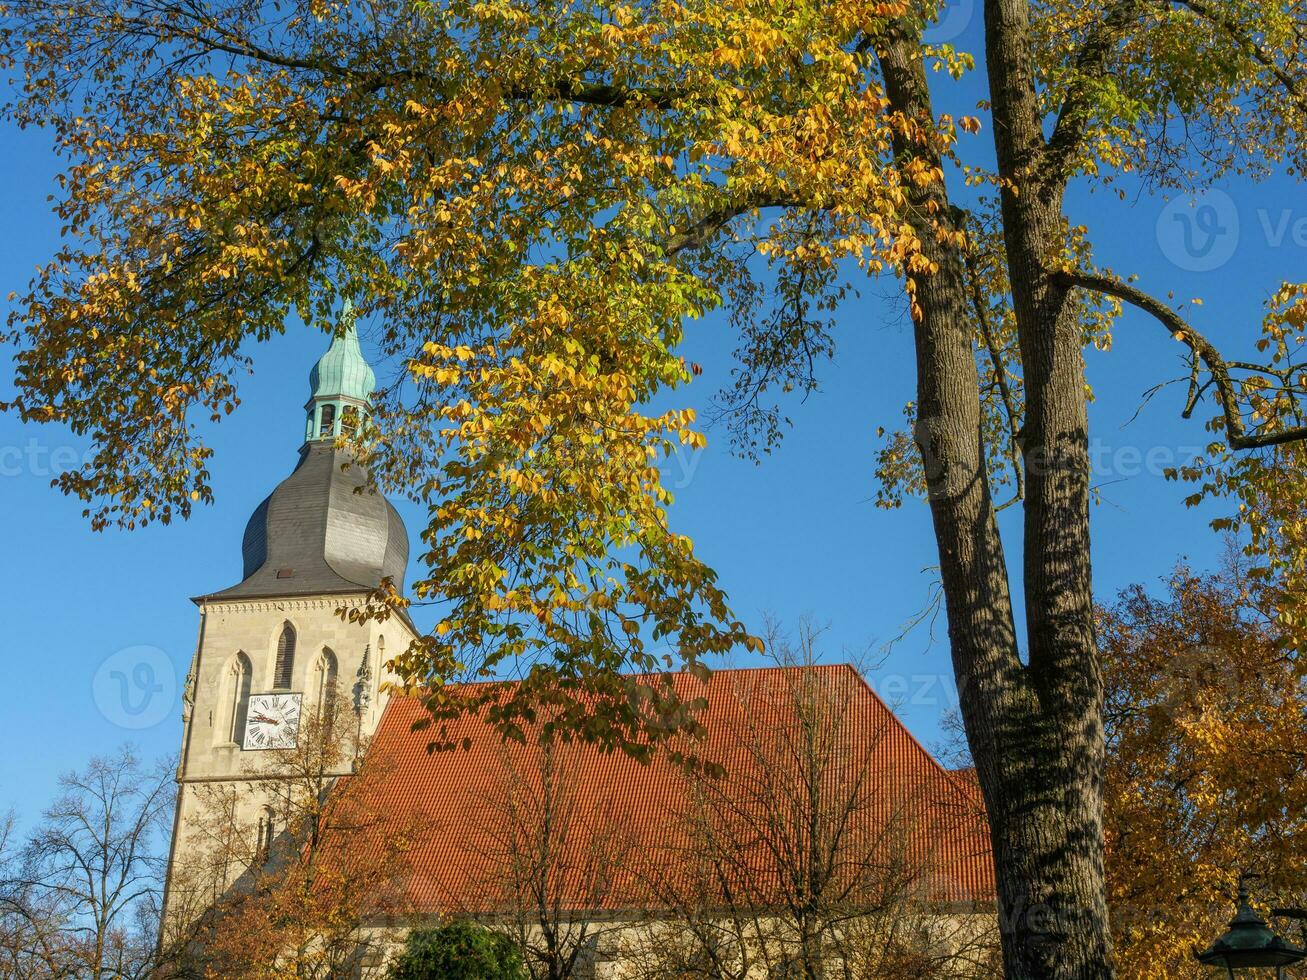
(1249, 943)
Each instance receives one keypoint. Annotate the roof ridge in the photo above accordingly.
(716, 672)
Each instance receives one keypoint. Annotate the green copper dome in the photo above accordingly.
(343, 372)
(342, 383)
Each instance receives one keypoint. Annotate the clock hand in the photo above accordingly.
(266, 720)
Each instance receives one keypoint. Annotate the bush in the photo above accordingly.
(458, 951)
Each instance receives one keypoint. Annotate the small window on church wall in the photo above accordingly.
(285, 667)
(349, 420)
(327, 423)
(240, 697)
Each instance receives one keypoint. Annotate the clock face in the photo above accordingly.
(272, 721)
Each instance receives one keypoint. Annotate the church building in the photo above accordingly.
(644, 843)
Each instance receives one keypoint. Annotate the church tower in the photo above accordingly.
(273, 649)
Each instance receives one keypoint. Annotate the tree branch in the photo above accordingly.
(1000, 378)
(1239, 35)
(610, 96)
(702, 230)
(1073, 117)
(1217, 366)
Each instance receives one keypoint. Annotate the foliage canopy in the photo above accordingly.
(532, 201)
(1206, 719)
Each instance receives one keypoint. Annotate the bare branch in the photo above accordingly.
(1236, 431)
(1000, 378)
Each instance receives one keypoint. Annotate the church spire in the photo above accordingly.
(341, 384)
(324, 530)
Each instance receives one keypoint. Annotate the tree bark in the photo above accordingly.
(1058, 816)
(1034, 729)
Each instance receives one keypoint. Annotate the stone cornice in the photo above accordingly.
(332, 601)
(256, 777)
(285, 603)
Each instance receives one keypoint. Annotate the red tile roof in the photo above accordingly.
(751, 720)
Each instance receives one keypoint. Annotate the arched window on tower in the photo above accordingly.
(239, 675)
(285, 666)
(349, 420)
(327, 422)
(325, 682)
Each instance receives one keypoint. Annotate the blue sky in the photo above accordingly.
(797, 535)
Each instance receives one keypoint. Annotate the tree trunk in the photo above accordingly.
(1035, 730)
(1051, 796)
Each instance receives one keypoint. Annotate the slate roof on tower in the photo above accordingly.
(321, 531)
